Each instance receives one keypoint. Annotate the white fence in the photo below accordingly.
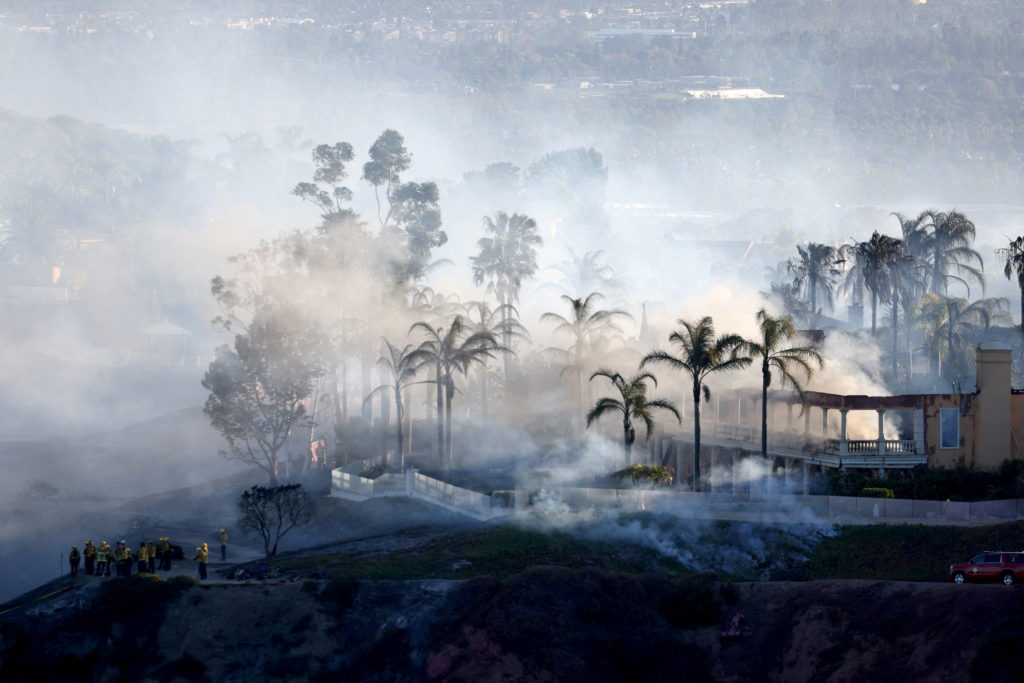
(346, 482)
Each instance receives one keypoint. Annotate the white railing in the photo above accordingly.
(448, 494)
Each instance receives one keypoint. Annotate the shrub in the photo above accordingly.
(874, 492)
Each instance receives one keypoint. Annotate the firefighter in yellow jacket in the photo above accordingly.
(142, 558)
(223, 545)
(90, 558)
(202, 557)
(103, 559)
(151, 554)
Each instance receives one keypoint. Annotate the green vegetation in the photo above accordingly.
(497, 551)
(923, 483)
(904, 552)
(877, 493)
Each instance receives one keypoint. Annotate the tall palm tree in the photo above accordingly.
(815, 271)
(1014, 254)
(632, 403)
(775, 333)
(585, 320)
(872, 270)
(701, 354)
(942, 242)
(498, 322)
(401, 365)
(451, 351)
(508, 257)
(906, 280)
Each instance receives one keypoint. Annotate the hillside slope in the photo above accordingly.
(544, 624)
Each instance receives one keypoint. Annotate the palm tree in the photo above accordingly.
(872, 270)
(942, 242)
(450, 351)
(952, 319)
(815, 270)
(632, 403)
(768, 349)
(588, 272)
(701, 354)
(402, 365)
(905, 279)
(1015, 264)
(497, 322)
(508, 256)
(584, 322)
(787, 296)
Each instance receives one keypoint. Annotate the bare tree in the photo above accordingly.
(273, 511)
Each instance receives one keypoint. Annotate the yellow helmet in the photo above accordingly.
(222, 531)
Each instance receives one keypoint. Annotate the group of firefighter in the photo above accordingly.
(102, 560)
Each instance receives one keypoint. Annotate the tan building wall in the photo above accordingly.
(967, 405)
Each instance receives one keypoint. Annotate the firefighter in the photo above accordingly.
(103, 559)
(223, 545)
(151, 554)
(74, 558)
(165, 554)
(142, 558)
(119, 558)
(202, 557)
(90, 558)
(127, 558)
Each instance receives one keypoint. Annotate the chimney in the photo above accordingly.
(992, 435)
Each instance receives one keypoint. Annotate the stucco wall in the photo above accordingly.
(950, 457)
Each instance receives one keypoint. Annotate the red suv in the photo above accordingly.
(991, 565)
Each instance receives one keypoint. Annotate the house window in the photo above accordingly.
(949, 428)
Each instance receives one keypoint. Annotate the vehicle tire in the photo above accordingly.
(959, 577)
(1008, 579)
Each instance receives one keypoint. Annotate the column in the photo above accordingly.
(881, 431)
(843, 445)
(807, 421)
(919, 447)
(806, 487)
(824, 423)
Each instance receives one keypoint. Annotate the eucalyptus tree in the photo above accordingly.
(259, 386)
(327, 190)
(632, 404)
(451, 351)
(507, 257)
(814, 270)
(401, 365)
(498, 322)
(770, 350)
(584, 322)
(701, 354)
(388, 159)
(873, 270)
(1014, 254)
